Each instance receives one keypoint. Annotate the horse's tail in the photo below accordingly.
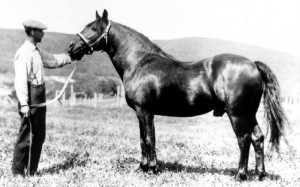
(274, 113)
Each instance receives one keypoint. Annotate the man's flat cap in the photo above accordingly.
(34, 25)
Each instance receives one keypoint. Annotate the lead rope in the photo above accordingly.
(60, 93)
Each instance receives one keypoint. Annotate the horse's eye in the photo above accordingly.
(94, 29)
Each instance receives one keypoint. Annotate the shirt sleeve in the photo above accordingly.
(21, 77)
(52, 61)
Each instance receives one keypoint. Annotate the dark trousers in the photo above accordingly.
(37, 119)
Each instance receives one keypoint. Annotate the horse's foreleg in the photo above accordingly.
(147, 134)
(258, 144)
(144, 159)
(242, 128)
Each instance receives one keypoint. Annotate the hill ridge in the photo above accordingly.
(185, 49)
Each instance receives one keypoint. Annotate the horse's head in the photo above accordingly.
(92, 37)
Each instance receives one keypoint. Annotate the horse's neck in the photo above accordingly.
(125, 51)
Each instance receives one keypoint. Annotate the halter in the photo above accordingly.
(91, 45)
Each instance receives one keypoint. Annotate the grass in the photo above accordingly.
(101, 147)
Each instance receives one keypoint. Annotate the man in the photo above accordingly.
(29, 65)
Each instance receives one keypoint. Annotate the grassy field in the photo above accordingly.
(101, 147)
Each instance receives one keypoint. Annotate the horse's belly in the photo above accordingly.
(172, 96)
(186, 111)
(180, 106)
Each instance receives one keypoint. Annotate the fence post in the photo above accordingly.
(118, 96)
(64, 98)
(101, 97)
(122, 95)
(71, 95)
(95, 99)
(73, 99)
(56, 94)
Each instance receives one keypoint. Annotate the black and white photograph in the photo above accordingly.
(149, 93)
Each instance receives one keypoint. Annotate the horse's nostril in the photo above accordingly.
(71, 46)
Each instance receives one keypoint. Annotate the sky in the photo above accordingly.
(273, 24)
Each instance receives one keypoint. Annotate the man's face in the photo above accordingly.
(37, 34)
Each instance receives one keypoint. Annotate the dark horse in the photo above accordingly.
(158, 84)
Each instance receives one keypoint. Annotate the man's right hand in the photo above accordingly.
(25, 110)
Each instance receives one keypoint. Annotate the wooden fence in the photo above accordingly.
(290, 100)
(99, 99)
(109, 100)
(6, 101)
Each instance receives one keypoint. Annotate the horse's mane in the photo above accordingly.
(143, 41)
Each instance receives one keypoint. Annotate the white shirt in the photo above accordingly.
(29, 65)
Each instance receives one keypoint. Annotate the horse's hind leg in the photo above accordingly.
(242, 127)
(257, 139)
(147, 134)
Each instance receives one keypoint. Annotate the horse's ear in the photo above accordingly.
(105, 15)
(97, 15)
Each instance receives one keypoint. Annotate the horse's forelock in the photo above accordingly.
(97, 23)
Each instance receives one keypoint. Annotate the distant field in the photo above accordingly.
(101, 147)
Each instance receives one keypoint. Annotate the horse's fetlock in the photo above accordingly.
(148, 142)
(257, 138)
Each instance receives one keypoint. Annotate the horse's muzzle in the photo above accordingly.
(76, 54)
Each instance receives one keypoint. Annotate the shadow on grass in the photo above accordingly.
(177, 167)
(72, 160)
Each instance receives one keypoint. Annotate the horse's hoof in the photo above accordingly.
(155, 170)
(143, 168)
(139, 169)
(261, 175)
(242, 177)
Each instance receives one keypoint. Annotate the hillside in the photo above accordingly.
(92, 67)
(11, 40)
